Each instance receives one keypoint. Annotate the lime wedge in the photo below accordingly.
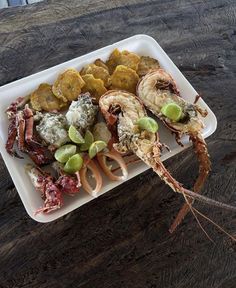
(88, 140)
(63, 153)
(172, 111)
(148, 123)
(96, 147)
(75, 136)
(74, 164)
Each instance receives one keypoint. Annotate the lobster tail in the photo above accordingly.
(200, 148)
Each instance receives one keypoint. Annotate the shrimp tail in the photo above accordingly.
(200, 148)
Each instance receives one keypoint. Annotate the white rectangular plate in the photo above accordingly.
(140, 44)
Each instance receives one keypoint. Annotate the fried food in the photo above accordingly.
(147, 64)
(100, 63)
(94, 86)
(43, 99)
(98, 73)
(124, 78)
(68, 85)
(125, 58)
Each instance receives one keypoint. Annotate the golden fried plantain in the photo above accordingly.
(147, 64)
(100, 63)
(124, 78)
(34, 101)
(68, 85)
(112, 62)
(43, 99)
(98, 73)
(94, 86)
(125, 58)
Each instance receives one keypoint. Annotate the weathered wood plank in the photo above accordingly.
(122, 239)
(16, 2)
(3, 4)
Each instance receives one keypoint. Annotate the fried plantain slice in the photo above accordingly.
(100, 63)
(112, 62)
(125, 58)
(43, 99)
(68, 85)
(124, 78)
(147, 64)
(94, 86)
(98, 73)
(34, 100)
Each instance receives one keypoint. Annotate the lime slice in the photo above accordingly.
(148, 123)
(96, 147)
(74, 164)
(172, 111)
(75, 136)
(88, 140)
(63, 153)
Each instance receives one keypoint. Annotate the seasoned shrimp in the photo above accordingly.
(157, 89)
(121, 111)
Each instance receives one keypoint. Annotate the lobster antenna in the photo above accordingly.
(196, 218)
(215, 224)
(207, 200)
(193, 210)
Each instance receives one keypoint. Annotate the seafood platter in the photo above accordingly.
(72, 132)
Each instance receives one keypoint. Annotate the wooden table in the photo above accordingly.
(122, 238)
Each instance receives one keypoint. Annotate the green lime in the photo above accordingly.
(74, 164)
(88, 140)
(148, 123)
(75, 136)
(63, 153)
(172, 111)
(96, 147)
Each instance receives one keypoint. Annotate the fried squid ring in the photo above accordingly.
(97, 176)
(114, 155)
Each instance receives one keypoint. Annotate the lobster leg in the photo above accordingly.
(152, 159)
(204, 169)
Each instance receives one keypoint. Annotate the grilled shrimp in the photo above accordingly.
(157, 89)
(121, 111)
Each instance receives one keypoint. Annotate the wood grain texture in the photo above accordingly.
(122, 239)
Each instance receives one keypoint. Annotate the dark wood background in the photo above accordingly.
(122, 238)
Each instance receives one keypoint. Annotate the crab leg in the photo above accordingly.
(12, 132)
(30, 124)
(50, 191)
(29, 118)
(20, 122)
(14, 106)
